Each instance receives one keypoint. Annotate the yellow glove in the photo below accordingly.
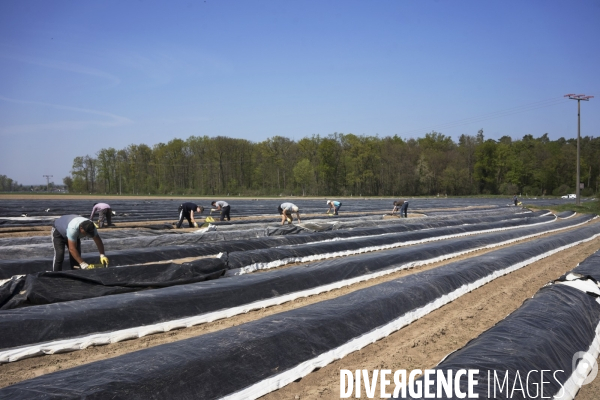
(195, 224)
(96, 225)
(104, 260)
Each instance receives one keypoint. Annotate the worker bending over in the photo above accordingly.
(401, 205)
(68, 231)
(222, 206)
(286, 210)
(335, 205)
(187, 210)
(104, 213)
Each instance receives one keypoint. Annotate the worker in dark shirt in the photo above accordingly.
(187, 210)
(68, 231)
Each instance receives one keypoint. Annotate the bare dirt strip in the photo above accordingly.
(424, 343)
(420, 345)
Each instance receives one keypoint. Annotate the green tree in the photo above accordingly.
(304, 174)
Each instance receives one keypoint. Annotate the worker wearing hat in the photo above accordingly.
(335, 205)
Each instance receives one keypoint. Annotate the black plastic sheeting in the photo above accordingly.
(106, 314)
(105, 233)
(166, 210)
(136, 238)
(239, 259)
(54, 287)
(138, 209)
(543, 334)
(145, 251)
(9, 268)
(565, 214)
(129, 237)
(45, 249)
(88, 285)
(203, 367)
(311, 218)
(35, 253)
(590, 266)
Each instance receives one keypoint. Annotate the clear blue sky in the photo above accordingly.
(78, 76)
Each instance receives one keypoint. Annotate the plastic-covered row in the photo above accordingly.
(19, 248)
(52, 287)
(556, 331)
(125, 316)
(266, 354)
(37, 288)
(143, 254)
(273, 257)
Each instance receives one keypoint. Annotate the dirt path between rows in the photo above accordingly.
(420, 345)
(28, 231)
(425, 342)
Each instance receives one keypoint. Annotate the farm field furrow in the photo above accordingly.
(389, 251)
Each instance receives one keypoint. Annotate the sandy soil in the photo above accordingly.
(420, 345)
(427, 341)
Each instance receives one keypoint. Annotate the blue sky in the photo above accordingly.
(78, 76)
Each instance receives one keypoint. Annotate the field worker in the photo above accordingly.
(223, 207)
(187, 210)
(335, 205)
(286, 210)
(104, 213)
(68, 231)
(401, 205)
(516, 200)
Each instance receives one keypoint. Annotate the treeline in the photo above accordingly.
(342, 164)
(9, 185)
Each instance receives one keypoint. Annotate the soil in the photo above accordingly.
(425, 342)
(421, 345)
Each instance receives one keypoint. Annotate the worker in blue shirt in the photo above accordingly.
(335, 205)
(68, 231)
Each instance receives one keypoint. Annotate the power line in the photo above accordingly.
(47, 181)
(578, 97)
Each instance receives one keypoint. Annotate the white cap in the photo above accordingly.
(328, 201)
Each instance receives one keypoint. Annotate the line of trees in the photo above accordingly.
(341, 164)
(9, 185)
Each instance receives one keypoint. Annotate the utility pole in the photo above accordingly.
(47, 182)
(578, 97)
